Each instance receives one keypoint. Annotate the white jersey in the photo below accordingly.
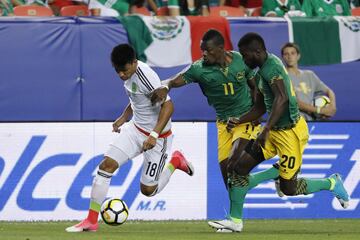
(139, 88)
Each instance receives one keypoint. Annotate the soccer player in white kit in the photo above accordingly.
(147, 133)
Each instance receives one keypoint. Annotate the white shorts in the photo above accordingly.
(128, 145)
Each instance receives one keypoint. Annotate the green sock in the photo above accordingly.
(240, 185)
(263, 176)
(237, 197)
(316, 185)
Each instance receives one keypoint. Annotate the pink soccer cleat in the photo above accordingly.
(84, 226)
(179, 162)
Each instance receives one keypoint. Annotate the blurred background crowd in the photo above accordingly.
(226, 8)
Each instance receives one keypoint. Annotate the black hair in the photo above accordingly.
(289, 44)
(215, 36)
(252, 40)
(121, 55)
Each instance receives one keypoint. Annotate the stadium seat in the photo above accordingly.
(32, 10)
(142, 10)
(256, 12)
(75, 10)
(226, 11)
(162, 11)
(355, 11)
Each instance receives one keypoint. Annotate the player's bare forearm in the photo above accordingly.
(167, 109)
(122, 118)
(332, 98)
(305, 107)
(256, 111)
(159, 94)
(127, 113)
(176, 82)
(281, 101)
(254, 90)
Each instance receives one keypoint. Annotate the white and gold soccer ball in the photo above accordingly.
(114, 211)
(321, 101)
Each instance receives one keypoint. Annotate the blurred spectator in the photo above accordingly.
(241, 3)
(115, 8)
(194, 7)
(326, 8)
(56, 5)
(278, 8)
(307, 85)
(143, 3)
(30, 2)
(36, 2)
(172, 5)
(6, 8)
(188, 7)
(97, 8)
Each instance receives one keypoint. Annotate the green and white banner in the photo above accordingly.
(326, 40)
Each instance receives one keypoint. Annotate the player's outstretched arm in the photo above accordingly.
(123, 118)
(159, 94)
(167, 109)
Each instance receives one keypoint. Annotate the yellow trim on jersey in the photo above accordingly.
(289, 145)
(225, 138)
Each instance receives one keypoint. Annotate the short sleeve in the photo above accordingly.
(148, 79)
(273, 74)
(319, 85)
(250, 73)
(192, 74)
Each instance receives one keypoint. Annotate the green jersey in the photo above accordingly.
(275, 6)
(274, 70)
(226, 89)
(326, 8)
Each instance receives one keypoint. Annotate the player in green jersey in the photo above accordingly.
(276, 8)
(224, 79)
(285, 134)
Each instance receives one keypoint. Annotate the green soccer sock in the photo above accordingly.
(237, 193)
(240, 185)
(263, 176)
(316, 185)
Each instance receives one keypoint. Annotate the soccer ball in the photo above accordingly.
(114, 211)
(321, 101)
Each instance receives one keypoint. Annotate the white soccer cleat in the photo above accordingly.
(224, 231)
(278, 190)
(226, 226)
(83, 226)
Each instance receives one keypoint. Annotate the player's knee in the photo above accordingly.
(148, 190)
(242, 166)
(108, 165)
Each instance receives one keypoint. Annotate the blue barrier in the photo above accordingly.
(58, 69)
(333, 148)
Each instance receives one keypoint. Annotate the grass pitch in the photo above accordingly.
(336, 229)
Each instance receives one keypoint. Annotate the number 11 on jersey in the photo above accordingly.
(228, 87)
